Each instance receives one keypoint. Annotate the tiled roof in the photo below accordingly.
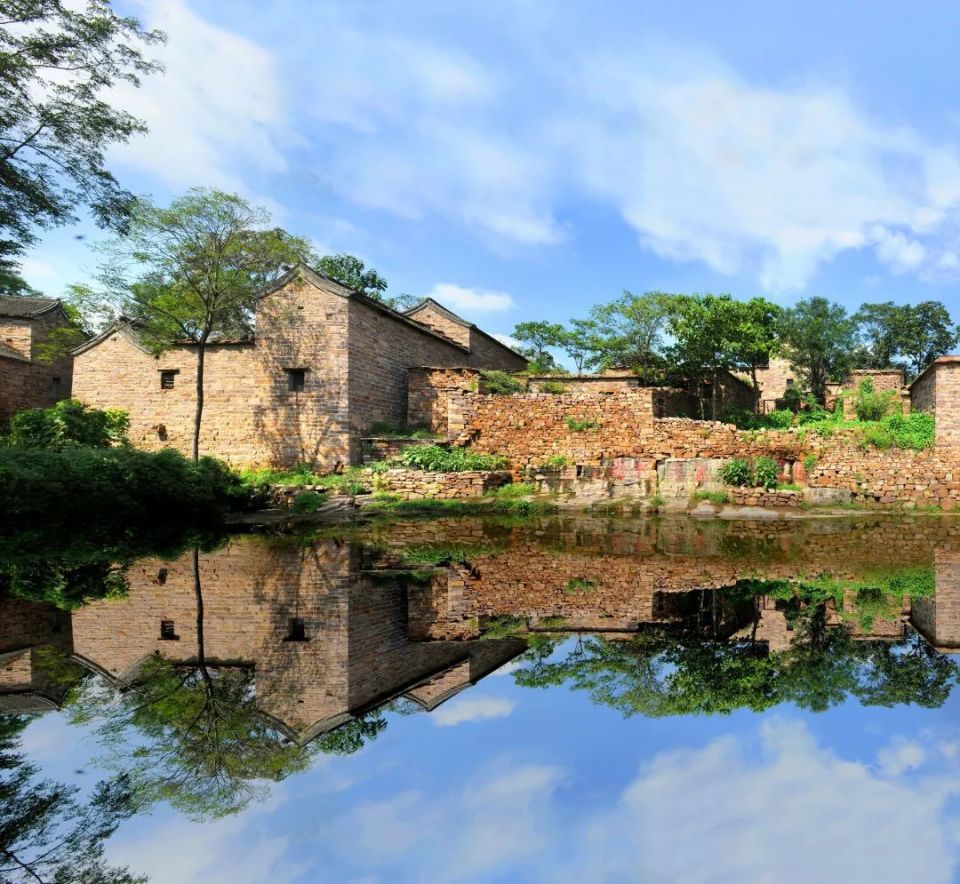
(26, 307)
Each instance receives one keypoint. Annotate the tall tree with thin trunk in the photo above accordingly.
(191, 273)
(818, 338)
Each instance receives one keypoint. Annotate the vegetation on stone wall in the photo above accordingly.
(438, 459)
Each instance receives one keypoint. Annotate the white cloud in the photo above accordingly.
(214, 115)
(457, 297)
(901, 756)
(472, 709)
(747, 177)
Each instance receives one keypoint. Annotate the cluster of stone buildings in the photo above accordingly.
(327, 367)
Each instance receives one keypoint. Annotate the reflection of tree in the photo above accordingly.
(46, 833)
(191, 734)
(662, 673)
(352, 736)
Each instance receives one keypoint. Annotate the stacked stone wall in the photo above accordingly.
(418, 485)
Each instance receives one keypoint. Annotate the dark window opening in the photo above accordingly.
(162, 576)
(167, 379)
(56, 383)
(789, 382)
(167, 631)
(296, 379)
(297, 631)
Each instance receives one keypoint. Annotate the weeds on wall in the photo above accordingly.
(437, 459)
(500, 383)
(740, 472)
(580, 425)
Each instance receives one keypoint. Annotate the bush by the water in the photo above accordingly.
(68, 424)
(122, 487)
(437, 459)
(760, 473)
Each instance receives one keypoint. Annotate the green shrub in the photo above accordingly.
(916, 430)
(765, 473)
(553, 387)
(68, 424)
(500, 383)
(744, 419)
(656, 501)
(809, 461)
(307, 502)
(871, 405)
(579, 425)
(792, 399)
(120, 487)
(555, 461)
(780, 419)
(437, 459)
(737, 472)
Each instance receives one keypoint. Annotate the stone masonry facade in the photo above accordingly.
(325, 365)
(25, 380)
(596, 429)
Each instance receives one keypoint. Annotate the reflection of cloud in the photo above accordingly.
(476, 828)
(789, 812)
(472, 709)
(901, 756)
(456, 297)
(227, 851)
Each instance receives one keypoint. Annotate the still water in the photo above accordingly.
(567, 699)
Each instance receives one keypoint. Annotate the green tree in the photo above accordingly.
(923, 332)
(355, 275)
(68, 424)
(630, 333)
(57, 62)
(580, 341)
(539, 337)
(818, 338)
(46, 832)
(193, 271)
(876, 333)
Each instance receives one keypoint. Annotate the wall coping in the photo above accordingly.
(940, 360)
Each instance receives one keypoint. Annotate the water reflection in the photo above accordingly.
(210, 673)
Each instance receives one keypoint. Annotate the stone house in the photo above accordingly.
(323, 367)
(25, 381)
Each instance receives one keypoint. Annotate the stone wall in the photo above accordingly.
(25, 382)
(532, 428)
(774, 381)
(937, 391)
(418, 485)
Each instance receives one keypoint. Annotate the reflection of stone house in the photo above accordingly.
(325, 642)
(324, 366)
(25, 382)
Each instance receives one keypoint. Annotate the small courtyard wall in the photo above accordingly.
(419, 485)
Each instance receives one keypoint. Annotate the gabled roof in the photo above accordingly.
(119, 326)
(459, 320)
(8, 351)
(27, 308)
(443, 311)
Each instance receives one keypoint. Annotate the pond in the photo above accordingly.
(555, 699)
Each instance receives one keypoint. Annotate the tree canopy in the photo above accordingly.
(58, 61)
(192, 271)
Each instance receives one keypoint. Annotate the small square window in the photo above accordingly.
(297, 631)
(789, 382)
(167, 631)
(167, 379)
(56, 383)
(296, 379)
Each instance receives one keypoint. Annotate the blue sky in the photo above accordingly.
(525, 159)
(506, 783)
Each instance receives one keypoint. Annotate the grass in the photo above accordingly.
(438, 459)
(555, 461)
(515, 490)
(713, 496)
(579, 425)
(581, 584)
(501, 383)
(394, 432)
(391, 505)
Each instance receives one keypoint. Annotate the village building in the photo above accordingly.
(27, 380)
(324, 367)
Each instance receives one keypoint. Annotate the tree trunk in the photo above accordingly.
(201, 646)
(198, 414)
(713, 395)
